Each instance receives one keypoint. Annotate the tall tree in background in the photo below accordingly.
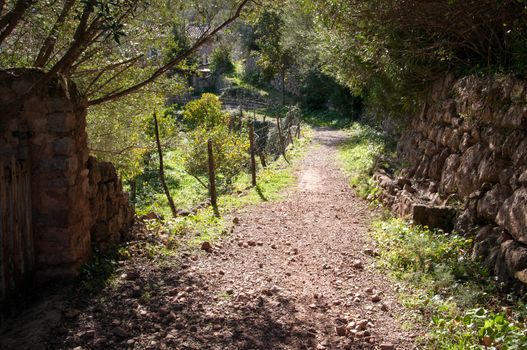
(275, 57)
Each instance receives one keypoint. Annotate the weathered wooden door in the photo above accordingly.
(16, 234)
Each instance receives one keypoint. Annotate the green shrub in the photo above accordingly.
(477, 329)
(221, 60)
(450, 289)
(207, 121)
(419, 254)
(205, 112)
(230, 151)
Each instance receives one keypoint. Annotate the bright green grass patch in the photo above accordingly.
(237, 81)
(359, 155)
(186, 191)
(327, 119)
(426, 258)
(448, 289)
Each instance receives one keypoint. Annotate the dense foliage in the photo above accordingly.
(206, 121)
(390, 50)
(221, 60)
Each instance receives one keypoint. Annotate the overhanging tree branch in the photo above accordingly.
(127, 64)
(175, 61)
(49, 44)
(10, 20)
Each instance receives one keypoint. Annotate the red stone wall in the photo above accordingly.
(467, 151)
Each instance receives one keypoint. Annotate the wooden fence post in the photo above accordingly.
(240, 118)
(162, 169)
(212, 179)
(16, 235)
(3, 232)
(298, 130)
(290, 135)
(253, 160)
(281, 139)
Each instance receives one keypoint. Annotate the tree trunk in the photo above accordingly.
(161, 169)
(212, 180)
(133, 190)
(262, 159)
(298, 131)
(283, 87)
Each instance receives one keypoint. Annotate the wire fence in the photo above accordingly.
(268, 137)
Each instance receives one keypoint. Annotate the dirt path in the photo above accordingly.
(294, 274)
(297, 274)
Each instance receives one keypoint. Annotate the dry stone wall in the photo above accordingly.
(46, 130)
(111, 212)
(467, 167)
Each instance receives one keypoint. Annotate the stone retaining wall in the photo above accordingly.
(46, 129)
(112, 214)
(467, 155)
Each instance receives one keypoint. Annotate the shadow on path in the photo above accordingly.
(170, 308)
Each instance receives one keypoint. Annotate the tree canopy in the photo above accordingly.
(391, 49)
(110, 48)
